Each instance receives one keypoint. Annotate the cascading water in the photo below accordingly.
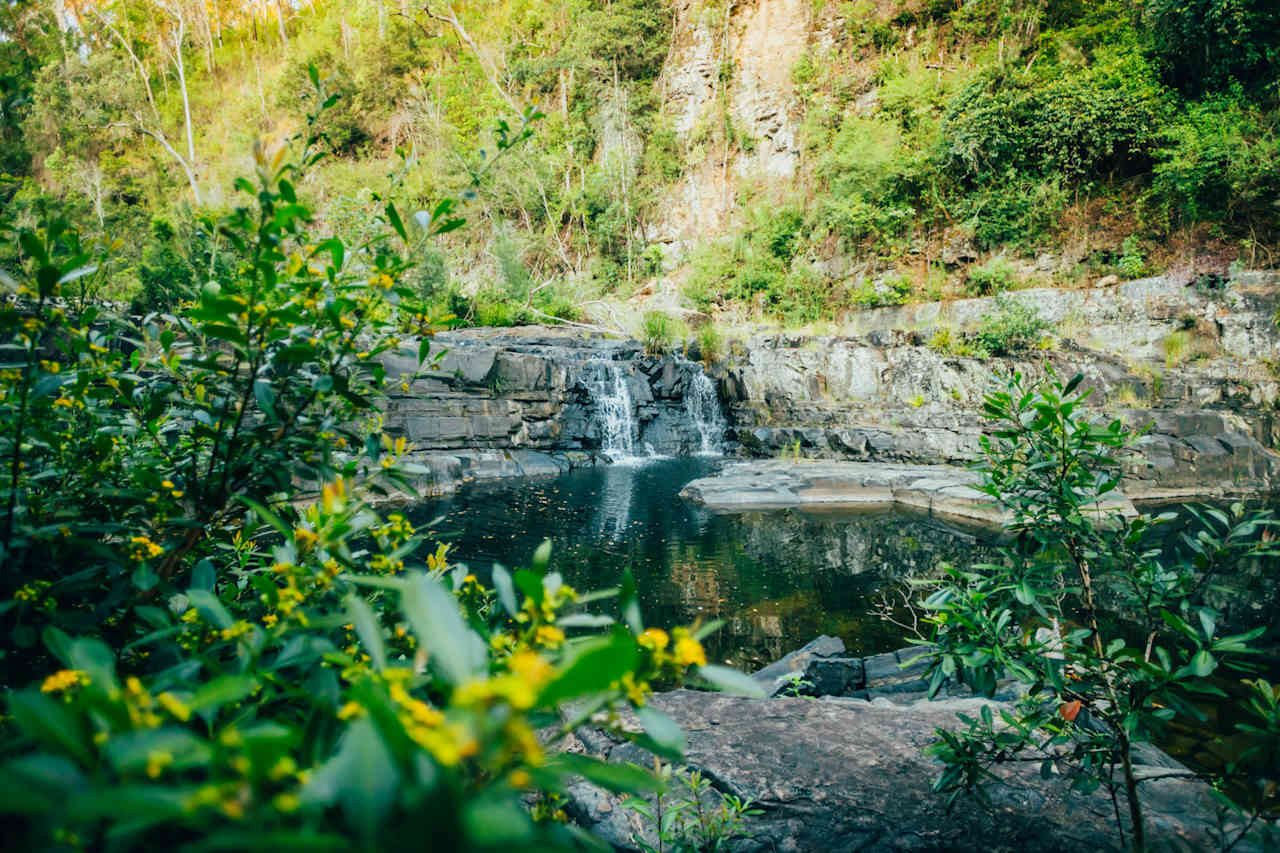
(703, 405)
(615, 411)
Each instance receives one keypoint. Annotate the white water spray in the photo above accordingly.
(703, 405)
(615, 411)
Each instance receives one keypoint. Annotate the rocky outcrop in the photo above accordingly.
(887, 395)
(941, 490)
(533, 401)
(838, 775)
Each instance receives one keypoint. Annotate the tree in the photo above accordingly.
(1098, 680)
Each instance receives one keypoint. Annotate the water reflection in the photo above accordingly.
(778, 578)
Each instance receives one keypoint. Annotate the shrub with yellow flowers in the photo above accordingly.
(211, 666)
(347, 713)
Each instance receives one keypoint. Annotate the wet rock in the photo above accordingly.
(940, 490)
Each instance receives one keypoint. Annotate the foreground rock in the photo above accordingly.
(843, 775)
(942, 490)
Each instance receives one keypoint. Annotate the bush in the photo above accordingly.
(710, 343)
(893, 289)
(870, 181)
(229, 667)
(661, 333)
(1207, 44)
(995, 276)
(1221, 162)
(1095, 122)
(342, 124)
(1013, 327)
(1016, 209)
(1096, 686)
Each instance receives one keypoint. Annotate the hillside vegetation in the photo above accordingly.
(943, 149)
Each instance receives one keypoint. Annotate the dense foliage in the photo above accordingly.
(1015, 126)
(1110, 639)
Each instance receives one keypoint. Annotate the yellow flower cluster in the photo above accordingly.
(31, 591)
(64, 679)
(142, 548)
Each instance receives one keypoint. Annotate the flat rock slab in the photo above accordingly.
(848, 775)
(942, 490)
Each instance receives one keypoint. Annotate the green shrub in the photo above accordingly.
(893, 289)
(870, 181)
(1206, 44)
(1016, 209)
(710, 343)
(1095, 122)
(1221, 162)
(661, 333)
(1013, 327)
(429, 276)
(1132, 262)
(342, 125)
(1096, 686)
(199, 658)
(995, 276)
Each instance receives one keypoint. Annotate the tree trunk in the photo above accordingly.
(284, 37)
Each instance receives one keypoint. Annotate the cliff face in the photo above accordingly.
(888, 396)
(730, 66)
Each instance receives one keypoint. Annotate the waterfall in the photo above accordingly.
(703, 405)
(615, 411)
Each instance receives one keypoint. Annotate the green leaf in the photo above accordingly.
(731, 681)
(361, 777)
(619, 778)
(204, 576)
(210, 607)
(268, 516)
(130, 752)
(1203, 664)
(663, 736)
(450, 645)
(393, 216)
(51, 724)
(369, 630)
(228, 689)
(505, 589)
(38, 783)
(542, 556)
(593, 667)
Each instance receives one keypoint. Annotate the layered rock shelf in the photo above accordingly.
(535, 401)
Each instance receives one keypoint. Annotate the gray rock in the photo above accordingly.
(847, 775)
(834, 676)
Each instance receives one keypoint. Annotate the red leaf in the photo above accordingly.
(1069, 710)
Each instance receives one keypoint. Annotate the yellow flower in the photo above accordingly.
(63, 679)
(689, 651)
(549, 636)
(157, 761)
(350, 710)
(270, 619)
(654, 639)
(174, 706)
(636, 691)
